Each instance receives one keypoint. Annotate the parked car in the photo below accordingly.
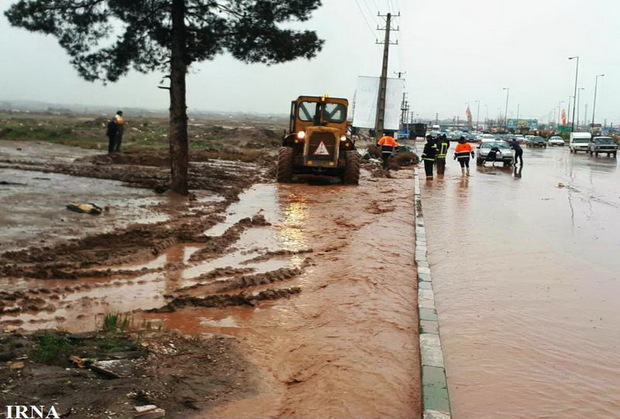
(487, 137)
(504, 155)
(556, 140)
(579, 141)
(536, 141)
(602, 145)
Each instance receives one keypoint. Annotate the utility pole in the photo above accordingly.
(403, 109)
(577, 101)
(572, 125)
(507, 89)
(594, 103)
(380, 121)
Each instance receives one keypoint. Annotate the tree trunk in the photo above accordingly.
(179, 154)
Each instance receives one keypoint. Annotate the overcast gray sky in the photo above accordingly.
(453, 52)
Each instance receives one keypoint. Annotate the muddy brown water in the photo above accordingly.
(527, 278)
(346, 346)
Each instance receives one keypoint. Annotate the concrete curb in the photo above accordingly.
(435, 399)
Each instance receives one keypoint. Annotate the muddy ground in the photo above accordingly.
(68, 277)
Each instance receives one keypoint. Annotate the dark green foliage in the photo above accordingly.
(107, 38)
(51, 348)
(116, 322)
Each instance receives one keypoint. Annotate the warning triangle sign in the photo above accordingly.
(321, 150)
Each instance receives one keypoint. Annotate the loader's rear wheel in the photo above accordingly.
(285, 165)
(352, 169)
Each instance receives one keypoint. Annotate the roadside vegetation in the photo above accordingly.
(234, 140)
(57, 347)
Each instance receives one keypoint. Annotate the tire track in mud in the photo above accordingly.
(336, 328)
(87, 266)
(212, 292)
(347, 345)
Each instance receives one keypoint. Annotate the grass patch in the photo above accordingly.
(51, 348)
(115, 327)
(241, 140)
(116, 323)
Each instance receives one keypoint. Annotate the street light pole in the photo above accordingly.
(578, 94)
(467, 103)
(507, 89)
(477, 115)
(486, 118)
(594, 103)
(574, 103)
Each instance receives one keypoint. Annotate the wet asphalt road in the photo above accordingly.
(527, 282)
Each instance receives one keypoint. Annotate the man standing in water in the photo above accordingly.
(387, 144)
(462, 152)
(428, 156)
(442, 149)
(514, 144)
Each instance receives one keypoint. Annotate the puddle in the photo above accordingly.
(228, 321)
(29, 221)
(142, 286)
(259, 199)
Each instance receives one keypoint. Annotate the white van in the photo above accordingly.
(579, 141)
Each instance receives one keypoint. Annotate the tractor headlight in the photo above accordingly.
(301, 135)
(343, 138)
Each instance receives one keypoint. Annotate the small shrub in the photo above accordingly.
(116, 322)
(51, 348)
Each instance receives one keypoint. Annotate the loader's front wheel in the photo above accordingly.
(352, 169)
(285, 165)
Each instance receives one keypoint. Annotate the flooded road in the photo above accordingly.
(526, 278)
(343, 344)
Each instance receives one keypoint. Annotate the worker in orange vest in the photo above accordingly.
(462, 152)
(387, 144)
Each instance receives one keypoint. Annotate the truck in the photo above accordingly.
(419, 130)
(578, 141)
(318, 141)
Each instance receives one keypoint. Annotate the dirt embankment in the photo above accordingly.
(101, 375)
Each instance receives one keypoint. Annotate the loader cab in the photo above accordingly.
(309, 111)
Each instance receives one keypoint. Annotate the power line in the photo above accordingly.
(375, 4)
(372, 31)
(371, 13)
